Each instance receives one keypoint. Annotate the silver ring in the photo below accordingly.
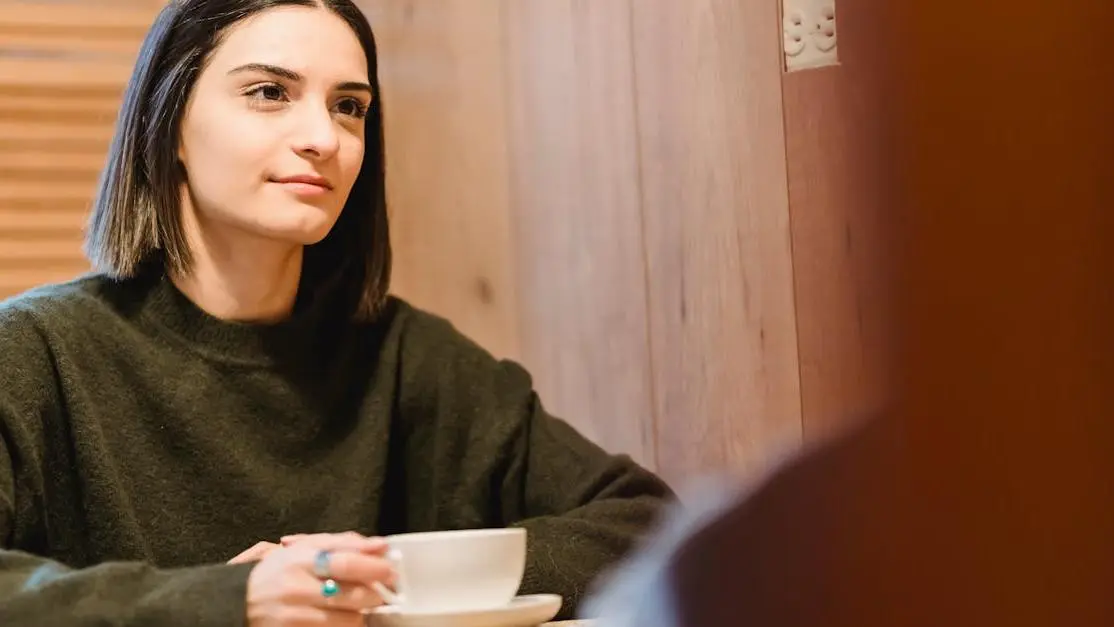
(321, 565)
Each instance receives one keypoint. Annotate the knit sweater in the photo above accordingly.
(143, 443)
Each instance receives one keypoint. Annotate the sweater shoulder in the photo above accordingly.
(431, 349)
(80, 303)
(39, 329)
(424, 335)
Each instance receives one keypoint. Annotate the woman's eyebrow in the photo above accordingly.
(291, 75)
(356, 86)
(273, 70)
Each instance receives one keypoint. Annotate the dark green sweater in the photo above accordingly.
(143, 443)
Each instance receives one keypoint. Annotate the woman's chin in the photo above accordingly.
(307, 229)
(305, 237)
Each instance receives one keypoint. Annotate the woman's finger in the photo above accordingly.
(350, 566)
(293, 538)
(255, 553)
(349, 541)
(348, 596)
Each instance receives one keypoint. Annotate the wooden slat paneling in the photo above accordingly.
(56, 105)
(69, 72)
(63, 66)
(121, 21)
(41, 220)
(15, 189)
(67, 44)
(52, 167)
(67, 136)
(27, 250)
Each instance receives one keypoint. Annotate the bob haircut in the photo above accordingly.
(136, 220)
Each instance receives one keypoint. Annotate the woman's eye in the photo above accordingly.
(271, 92)
(352, 107)
(268, 92)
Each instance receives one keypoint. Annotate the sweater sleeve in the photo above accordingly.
(37, 590)
(584, 508)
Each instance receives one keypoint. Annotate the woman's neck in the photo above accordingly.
(248, 280)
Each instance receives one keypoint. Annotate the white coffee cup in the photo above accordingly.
(455, 571)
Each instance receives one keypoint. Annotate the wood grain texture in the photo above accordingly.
(840, 241)
(715, 210)
(447, 164)
(577, 212)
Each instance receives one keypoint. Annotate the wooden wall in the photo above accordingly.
(448, 162)
(642, 147)
(699, 260)
(840, 231)
(602, 190)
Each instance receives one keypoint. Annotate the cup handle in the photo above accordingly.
(389, 596)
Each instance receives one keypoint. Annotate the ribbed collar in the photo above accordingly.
(288, 342)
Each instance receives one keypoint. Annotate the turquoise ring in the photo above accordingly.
(330, 588)
(321, 565)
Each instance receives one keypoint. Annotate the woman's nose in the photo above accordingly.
(316, 136)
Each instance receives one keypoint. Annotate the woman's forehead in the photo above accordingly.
(312, 42)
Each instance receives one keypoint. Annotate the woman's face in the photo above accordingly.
(272, 138)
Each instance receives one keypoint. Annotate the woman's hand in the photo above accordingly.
(285, 591)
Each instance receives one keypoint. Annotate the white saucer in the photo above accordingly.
(524, 611)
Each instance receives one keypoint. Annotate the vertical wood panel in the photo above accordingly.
(841, 259)
(715, 207)
(581, 264)
(447, 170)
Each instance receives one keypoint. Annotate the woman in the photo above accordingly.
(235, 373)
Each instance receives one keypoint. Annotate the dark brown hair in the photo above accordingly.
(136, 216)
